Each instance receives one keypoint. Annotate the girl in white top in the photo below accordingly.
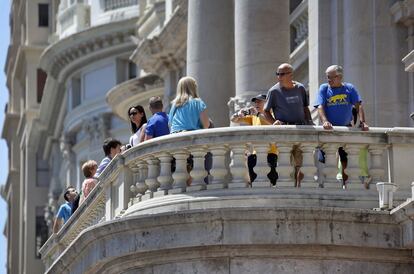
(138, 121)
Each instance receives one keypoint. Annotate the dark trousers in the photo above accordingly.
(271, 161)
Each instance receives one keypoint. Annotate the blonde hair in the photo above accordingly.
(88, 167)
(186, 89)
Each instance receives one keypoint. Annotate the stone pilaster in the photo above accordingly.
(210, 58)
(373, 68)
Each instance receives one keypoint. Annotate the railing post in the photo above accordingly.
(135, 173)
(181, 174)
(165, 177)
(262, 168)
(330, 169)
(353, 168)
(308, 167)
(238, 166)
(284, 168)
(377, 170)
(153, 172)
(198, 173)
(125, 181)
(141, 185)
(108, 202)
(218, 170)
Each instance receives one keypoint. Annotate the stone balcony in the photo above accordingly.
(140, 208)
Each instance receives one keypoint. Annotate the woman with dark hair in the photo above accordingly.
(138, 121)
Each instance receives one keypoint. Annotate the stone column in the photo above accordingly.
(261, 43)
(375, 69)
(323, 32)
(210, 54)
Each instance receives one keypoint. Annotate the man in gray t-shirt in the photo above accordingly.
(289, 103)
(288, 100)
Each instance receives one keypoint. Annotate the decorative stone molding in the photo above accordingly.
(237, 103)
(135, 91)
(72, 18)
(299, 21)
(58, 56)
(403, 13)
(167, 50)
(96, 128)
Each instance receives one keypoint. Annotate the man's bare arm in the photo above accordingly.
(268, 116)
(325, 123)
(361, 113)
(308, 117)
(57, 224)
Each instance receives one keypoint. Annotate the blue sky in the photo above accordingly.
(4, 42)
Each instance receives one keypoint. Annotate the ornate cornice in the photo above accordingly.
(166, 51)
(86, 44)
(121, 96)
(403, 12)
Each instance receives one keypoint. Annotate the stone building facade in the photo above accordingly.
(75, 66)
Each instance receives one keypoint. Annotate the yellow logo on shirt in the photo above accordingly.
(339, 99)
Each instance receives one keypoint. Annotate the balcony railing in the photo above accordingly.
(143, 175)
(118, 4)
(73, 18)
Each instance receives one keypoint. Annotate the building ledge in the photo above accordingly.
(134, 92)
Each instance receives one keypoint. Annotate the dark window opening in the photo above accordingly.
(132, 70)
(42, 231)
(43, 15)
(41, 81)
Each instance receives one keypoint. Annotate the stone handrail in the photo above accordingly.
(118, 4)
(144, 172)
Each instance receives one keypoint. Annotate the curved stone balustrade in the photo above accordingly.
(141, 180)
(118, 4)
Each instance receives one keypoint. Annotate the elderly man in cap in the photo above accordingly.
(255, 116)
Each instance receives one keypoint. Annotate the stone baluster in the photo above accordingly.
(153, 172)
(135, 176)
(198, 173)
(165, 177)
(330, 169)
(218, 170)
(261, 168)
(141, 186)
(238, 166)
(353, 169)
(284, 167)
(180, 175)
(377, 170)
(308, 165)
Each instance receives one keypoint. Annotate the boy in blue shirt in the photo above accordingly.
(65, 210)
(157, 125)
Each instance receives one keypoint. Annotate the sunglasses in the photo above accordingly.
(331, 77)
(282, 73)
(133, 113)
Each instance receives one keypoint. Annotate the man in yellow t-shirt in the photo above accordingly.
(254, 116)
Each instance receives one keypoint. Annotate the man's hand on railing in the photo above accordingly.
(278, 123)
(327, 125)
(364, 126)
